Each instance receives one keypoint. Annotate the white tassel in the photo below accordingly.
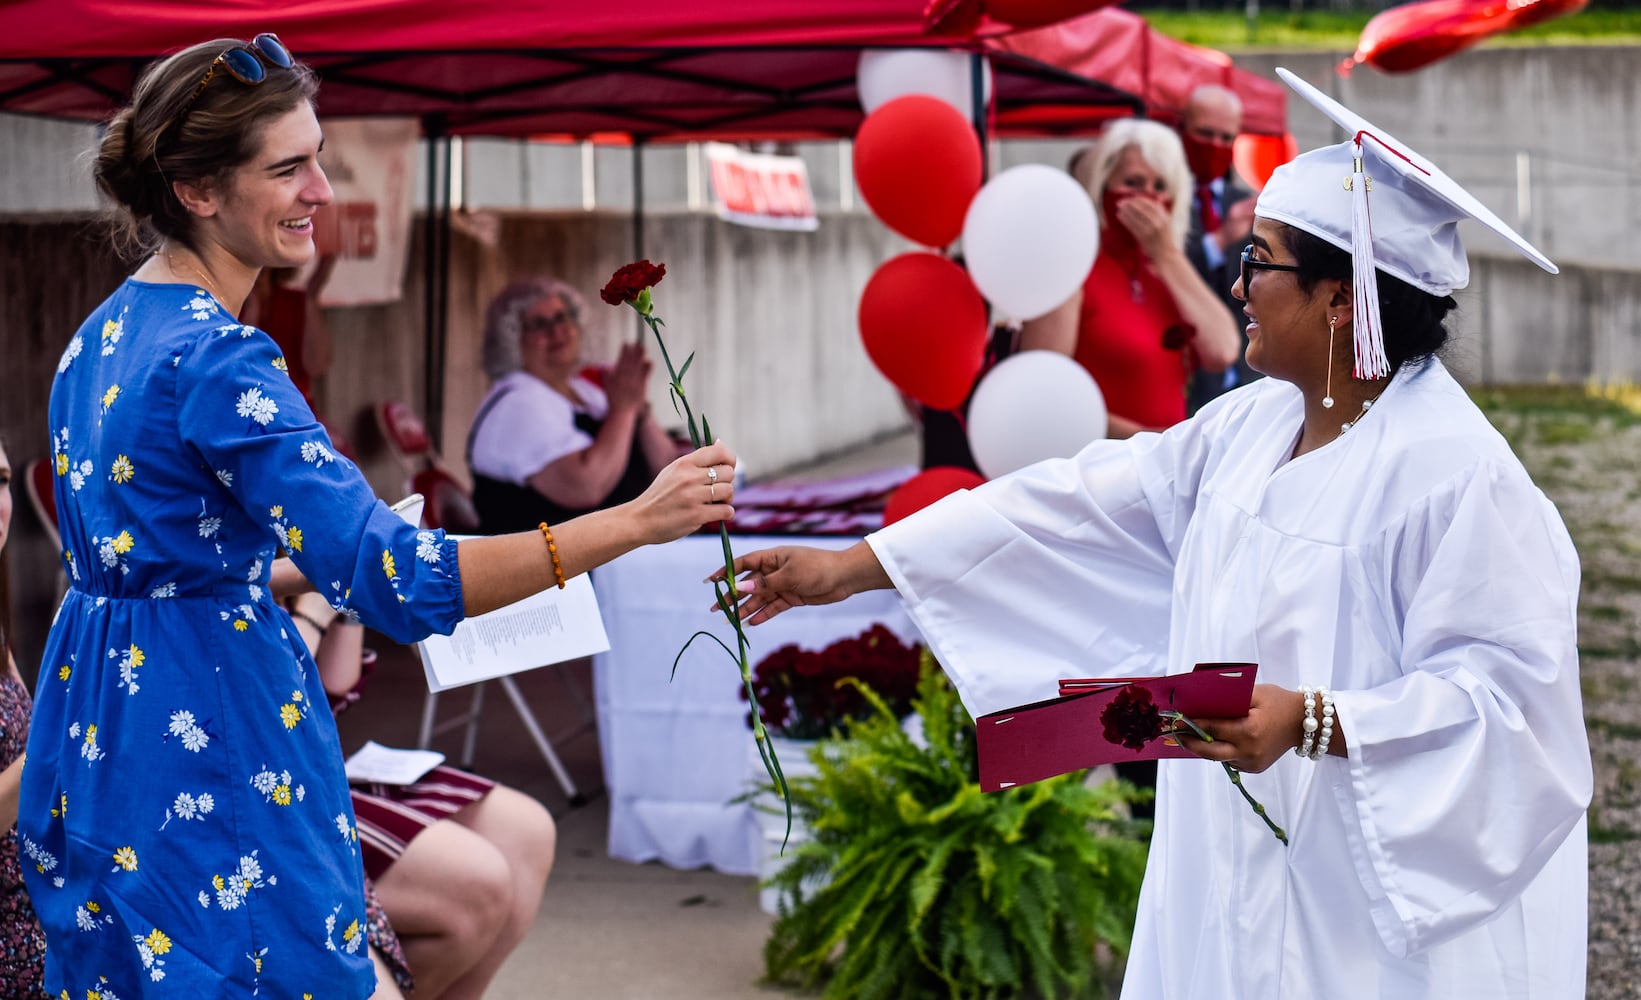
(1371, 362)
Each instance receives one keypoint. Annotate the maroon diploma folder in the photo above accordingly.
(1068, 733)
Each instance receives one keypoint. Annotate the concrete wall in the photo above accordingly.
(1573, 116)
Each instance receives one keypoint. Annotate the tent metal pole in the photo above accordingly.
(431, 128)
(435, 404)
(638, 215)
(977, 92)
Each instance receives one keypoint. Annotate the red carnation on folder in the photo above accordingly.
(1132, 719)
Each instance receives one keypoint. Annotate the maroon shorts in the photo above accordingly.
(390, 816)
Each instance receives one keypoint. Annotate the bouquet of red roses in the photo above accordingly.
(801, 694)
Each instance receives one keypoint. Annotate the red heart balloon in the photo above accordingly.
(1526, 13)
(917, 163)
(924, 326)
(925, 488)
(1412, 36)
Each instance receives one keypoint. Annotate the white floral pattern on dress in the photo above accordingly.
(192, 734)
(71, 352)
(113, 330)
(202, 305)
(234, 889)
(130, 660)
(353, 935)
(278, 789)
(258, 407)
(316, 453)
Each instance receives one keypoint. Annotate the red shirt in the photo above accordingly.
(1126, 312)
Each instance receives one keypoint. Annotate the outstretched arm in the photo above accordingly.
(772, 580)
(501, 569)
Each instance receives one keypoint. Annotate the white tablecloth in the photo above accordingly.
(676, 753)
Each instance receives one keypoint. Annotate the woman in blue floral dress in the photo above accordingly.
(185, 823)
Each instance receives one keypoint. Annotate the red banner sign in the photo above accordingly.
(761, 189)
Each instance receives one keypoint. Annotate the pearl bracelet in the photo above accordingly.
(1310, 725)
(1326, 732)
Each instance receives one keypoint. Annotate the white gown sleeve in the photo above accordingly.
(1063, 569)
(1470, 770)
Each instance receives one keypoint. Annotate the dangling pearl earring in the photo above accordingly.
(1327, 398)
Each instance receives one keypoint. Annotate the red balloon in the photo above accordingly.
(925, 488)
(924, 326)
(917, 162)
(1036, 13)
(1412, 36)
(1257, 156)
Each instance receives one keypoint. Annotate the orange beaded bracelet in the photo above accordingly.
(552, 549)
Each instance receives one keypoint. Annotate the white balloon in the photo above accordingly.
(1029, 239)
(1033, 405)
(885, 74)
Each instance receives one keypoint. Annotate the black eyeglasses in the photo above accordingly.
(1248, 263)
(245, 63)
(547, 324)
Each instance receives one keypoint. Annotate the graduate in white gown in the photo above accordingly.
(1351, 523)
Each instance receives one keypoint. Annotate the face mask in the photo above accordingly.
(1208, 160)
(1116, 238)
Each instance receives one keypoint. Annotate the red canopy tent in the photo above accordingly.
(1119, 48)
(653, 70)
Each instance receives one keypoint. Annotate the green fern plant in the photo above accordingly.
(929, 887)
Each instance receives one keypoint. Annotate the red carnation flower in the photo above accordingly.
(628, 283)
(1132, 718)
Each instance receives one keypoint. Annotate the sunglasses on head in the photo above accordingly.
(246, 63)
(1249, 264)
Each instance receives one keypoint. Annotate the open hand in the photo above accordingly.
(788, 576)
(1148, 220)
(625, 384)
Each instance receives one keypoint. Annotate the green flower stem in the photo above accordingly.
(1233, 774)
(729, 597)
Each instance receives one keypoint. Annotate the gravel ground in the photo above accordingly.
(1583, 457)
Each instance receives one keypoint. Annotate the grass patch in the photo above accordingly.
(1611, 835)
(1628, 650)
(1599, 579)
(1558, 432)
(1323, 31)
(1617, 730)
(1552, 402)
(1606, 613)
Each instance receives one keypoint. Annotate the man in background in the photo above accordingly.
(1221, 217)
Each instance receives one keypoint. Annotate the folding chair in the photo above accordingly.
(406, 437)
(448, 505)
(42, 496)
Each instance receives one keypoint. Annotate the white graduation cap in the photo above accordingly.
(1376, 198)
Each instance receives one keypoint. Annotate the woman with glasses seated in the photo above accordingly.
(185, 822)
(547, 443)
(1144, 320)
